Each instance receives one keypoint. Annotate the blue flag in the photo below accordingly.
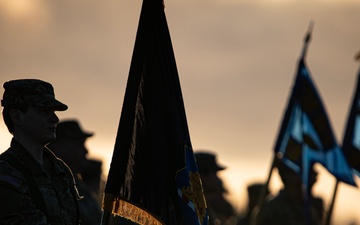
(351, 141)
(306, 136)
(153, 178)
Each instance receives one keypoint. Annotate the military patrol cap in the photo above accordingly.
(30, 92)
(206, 162)
(71, 129)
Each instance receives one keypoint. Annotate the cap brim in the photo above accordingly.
(58, 106)
(87, 135)
(221, 167)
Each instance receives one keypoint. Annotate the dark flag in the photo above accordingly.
(351, 141)
(306, 136)
(153, 176)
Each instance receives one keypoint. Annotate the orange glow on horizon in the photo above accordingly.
(25, 15)
(19, 9)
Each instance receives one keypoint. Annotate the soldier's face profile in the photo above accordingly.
(73, 152)
(39, 124)
(211, 182)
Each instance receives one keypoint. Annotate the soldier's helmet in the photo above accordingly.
(30, 92)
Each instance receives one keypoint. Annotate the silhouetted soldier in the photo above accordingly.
(70, 147)
(92, 176)
(35, 186)
(253, 190)
(220, 210)
(289, 207)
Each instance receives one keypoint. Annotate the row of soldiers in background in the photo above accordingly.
(288, 207)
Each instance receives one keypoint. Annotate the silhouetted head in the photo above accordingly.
(290, 178)
(206, 162)
(70, 144)
(254, 191)
(22, 93)
(208, 168)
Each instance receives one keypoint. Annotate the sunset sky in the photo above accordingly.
(236, 61)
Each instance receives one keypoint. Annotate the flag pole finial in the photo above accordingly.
(307, 38)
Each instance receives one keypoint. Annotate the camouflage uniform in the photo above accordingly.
(53, 179)
(283, 211)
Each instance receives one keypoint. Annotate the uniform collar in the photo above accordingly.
(34, 166)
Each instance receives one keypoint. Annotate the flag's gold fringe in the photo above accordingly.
(120, 207)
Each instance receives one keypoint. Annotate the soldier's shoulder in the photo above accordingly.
(10, 177)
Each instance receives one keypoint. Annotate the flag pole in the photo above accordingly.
(331, 208)
(105, 217)
(256, 212)
(305, 195)
(307, 39)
